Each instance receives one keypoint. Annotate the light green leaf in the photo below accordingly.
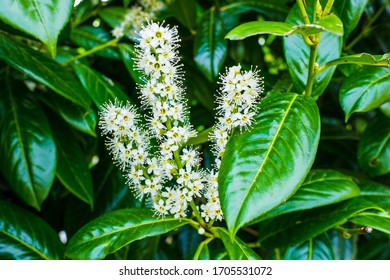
(301, 226)
(100, 88)
(379, 222)
(320, 188)
(374, 147)
(297, 54)
(350, 12)
(27, 148)
(365, 90)
(43, 20)
(112, 231)
(44, 70)
(319, 248)
(264, 166)
(210, 46)
(235, 247)
(72, 167)
(89, 37)
(24, 236)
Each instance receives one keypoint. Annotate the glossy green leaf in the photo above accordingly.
(185, 12)
(264, 166)
(374, 147)
(301, 226)
(82, 119)
(43, 69)
(359, 59)
(100, 88)
(319, 248)
(24, 236)
(365, 90)
(127, 54)
(379, 222)
(376, 193)
(114, 16)
(210, 46)
(43, 20)
(202, 252)
(82, 12)
(89, 37)
(112, 231)
(72, 167)
(297, 54)
(350, 12)
(330, 24)
(343, 248)
(27, 148)
(235, 247)
(320, 188)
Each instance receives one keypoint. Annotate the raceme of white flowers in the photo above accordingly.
(169, 173)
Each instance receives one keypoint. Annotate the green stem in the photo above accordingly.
(277, 254)
(311, 73)
(303, 11)
(328, 7)
(197, 214)
(111, 43)
(367, 28)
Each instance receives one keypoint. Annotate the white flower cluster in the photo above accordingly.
(170, 172)
(237, 100)
(137, 15)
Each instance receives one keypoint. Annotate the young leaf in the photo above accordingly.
(374, 147)
(235, 247)
(319, 248)
(100, 88)
(26, 236)
(72, 168)
(265, 165)
(43, 20)
(210, 46)
(297, 54)
(89, 37)
(43, 69)
(27, 148)
(112, 231)
(350, 12)
(377, 221)
(365, 90)
(301, 226)
(320, 188)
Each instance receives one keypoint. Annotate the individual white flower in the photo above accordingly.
(118, 31)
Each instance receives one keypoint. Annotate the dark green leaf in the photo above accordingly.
(301, 226)
(330, 24)
(90, 37)
(376, 193)
(100, 88)
(83, 11)
(365, 90)
(27, 148)
(264, 166)
(127, 53)
(320, 188)
(235, 247)
(84, 120)
(374, 147)
(343, 248)
(318, 248)
(199, 88)
(43, 20)
(43, 69)
(377, 221)
(114, 16)
(350, 12)
(297, 54)
(185, 12)
(112, 231)
(72, 168)
(210, 46)
(202, 252)
(26, 236)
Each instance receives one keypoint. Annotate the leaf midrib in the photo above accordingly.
(266, 156)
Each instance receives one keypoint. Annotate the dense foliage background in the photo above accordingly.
(59, 63)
